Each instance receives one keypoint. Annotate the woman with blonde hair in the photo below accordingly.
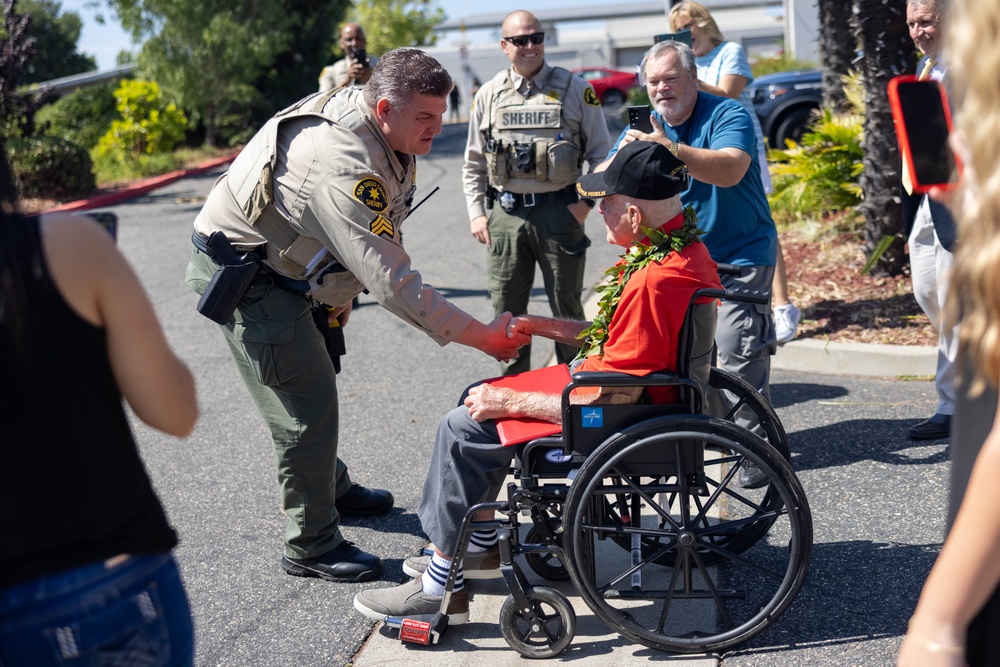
(958, 614)
(723, 70)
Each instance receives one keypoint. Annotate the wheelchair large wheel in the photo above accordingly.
(546, 564)
(736, 401)
(549, 634)
(690, 605)
(740, 403)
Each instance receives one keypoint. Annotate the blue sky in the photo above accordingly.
(105, 41)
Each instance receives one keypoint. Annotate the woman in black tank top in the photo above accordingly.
(82, 520)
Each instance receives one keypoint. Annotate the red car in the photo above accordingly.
(611, 85)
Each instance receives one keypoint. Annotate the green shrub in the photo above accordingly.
(820, 175)
(783, 64)
(81, 116)
(148, 124)
(109, 170)
(50, 168)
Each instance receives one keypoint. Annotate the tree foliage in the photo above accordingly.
(207, 53)
(392, 23)
(81, 117)
(17, 47)
(295, 70)
(56, 36)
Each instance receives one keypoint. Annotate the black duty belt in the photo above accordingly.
(298, 286)
(511, 201)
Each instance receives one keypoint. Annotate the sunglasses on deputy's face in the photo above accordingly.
(522, 40)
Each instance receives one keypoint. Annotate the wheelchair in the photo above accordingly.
(640, 508)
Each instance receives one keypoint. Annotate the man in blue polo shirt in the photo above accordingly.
(714, 136)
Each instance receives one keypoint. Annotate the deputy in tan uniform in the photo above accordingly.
(321, 193)
(353, 70)
(531, 129)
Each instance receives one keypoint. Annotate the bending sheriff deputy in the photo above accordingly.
(532, 127)
(320, 194)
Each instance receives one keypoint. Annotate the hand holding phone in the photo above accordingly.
(360, 56)
(638, 119)
(922, 117)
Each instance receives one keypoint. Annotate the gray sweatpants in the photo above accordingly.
(468, 466)
(745, 335)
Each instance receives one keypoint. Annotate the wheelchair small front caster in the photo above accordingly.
(545, 630)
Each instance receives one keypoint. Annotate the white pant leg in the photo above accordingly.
(930, 265)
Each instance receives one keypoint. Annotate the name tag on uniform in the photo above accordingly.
(529, 118)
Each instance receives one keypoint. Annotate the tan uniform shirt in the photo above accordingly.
(332, 75)
(349, 190)
(593, 129)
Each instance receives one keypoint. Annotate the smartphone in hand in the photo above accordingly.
(922, 117)
(360, 56)
(638, 119)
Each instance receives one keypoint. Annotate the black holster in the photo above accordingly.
(230, 282)
(333, 336)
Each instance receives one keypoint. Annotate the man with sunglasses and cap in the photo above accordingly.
(642, 211)
(532, 127)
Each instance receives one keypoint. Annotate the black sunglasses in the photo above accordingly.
(522, 40)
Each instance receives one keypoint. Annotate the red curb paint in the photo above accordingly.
(141, 187)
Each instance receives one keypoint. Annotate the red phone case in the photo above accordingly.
(904, 139)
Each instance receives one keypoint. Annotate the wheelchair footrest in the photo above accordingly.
(419, 632)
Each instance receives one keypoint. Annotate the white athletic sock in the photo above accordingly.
(436, 575)
(482, 540)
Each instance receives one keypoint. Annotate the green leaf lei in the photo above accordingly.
(635, 258)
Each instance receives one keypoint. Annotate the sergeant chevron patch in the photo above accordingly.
(382, 226)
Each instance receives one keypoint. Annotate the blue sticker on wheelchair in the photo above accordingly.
(592, 418)
(557, 456)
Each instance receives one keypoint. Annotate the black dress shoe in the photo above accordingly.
(935, 428)
(345, 563)
(359, 501)
(751, 476)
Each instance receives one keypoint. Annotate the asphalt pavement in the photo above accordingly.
(878, 500)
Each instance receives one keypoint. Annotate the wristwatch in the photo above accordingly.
(674, 147)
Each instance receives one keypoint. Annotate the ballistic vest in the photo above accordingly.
(527, 139)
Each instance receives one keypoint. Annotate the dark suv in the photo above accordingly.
(785, 102)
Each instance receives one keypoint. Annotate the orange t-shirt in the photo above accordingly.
(646, 325)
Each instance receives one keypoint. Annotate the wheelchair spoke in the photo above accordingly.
(651, 503)
(777, 576)
(668, 598)
(712, 589)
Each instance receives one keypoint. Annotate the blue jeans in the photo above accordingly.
(135, 613)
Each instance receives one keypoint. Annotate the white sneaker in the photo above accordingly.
(786, 322)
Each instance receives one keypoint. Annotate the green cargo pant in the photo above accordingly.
(552, 237)
(282, 358)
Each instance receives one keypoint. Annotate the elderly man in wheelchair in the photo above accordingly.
(646, 311)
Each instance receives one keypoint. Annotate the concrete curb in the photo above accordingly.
(142, 187)
(867, 359)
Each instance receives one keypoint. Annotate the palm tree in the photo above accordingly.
(880, 26)
(837, 44)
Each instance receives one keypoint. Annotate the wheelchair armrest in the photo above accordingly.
(736, 294)
(610, 379)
